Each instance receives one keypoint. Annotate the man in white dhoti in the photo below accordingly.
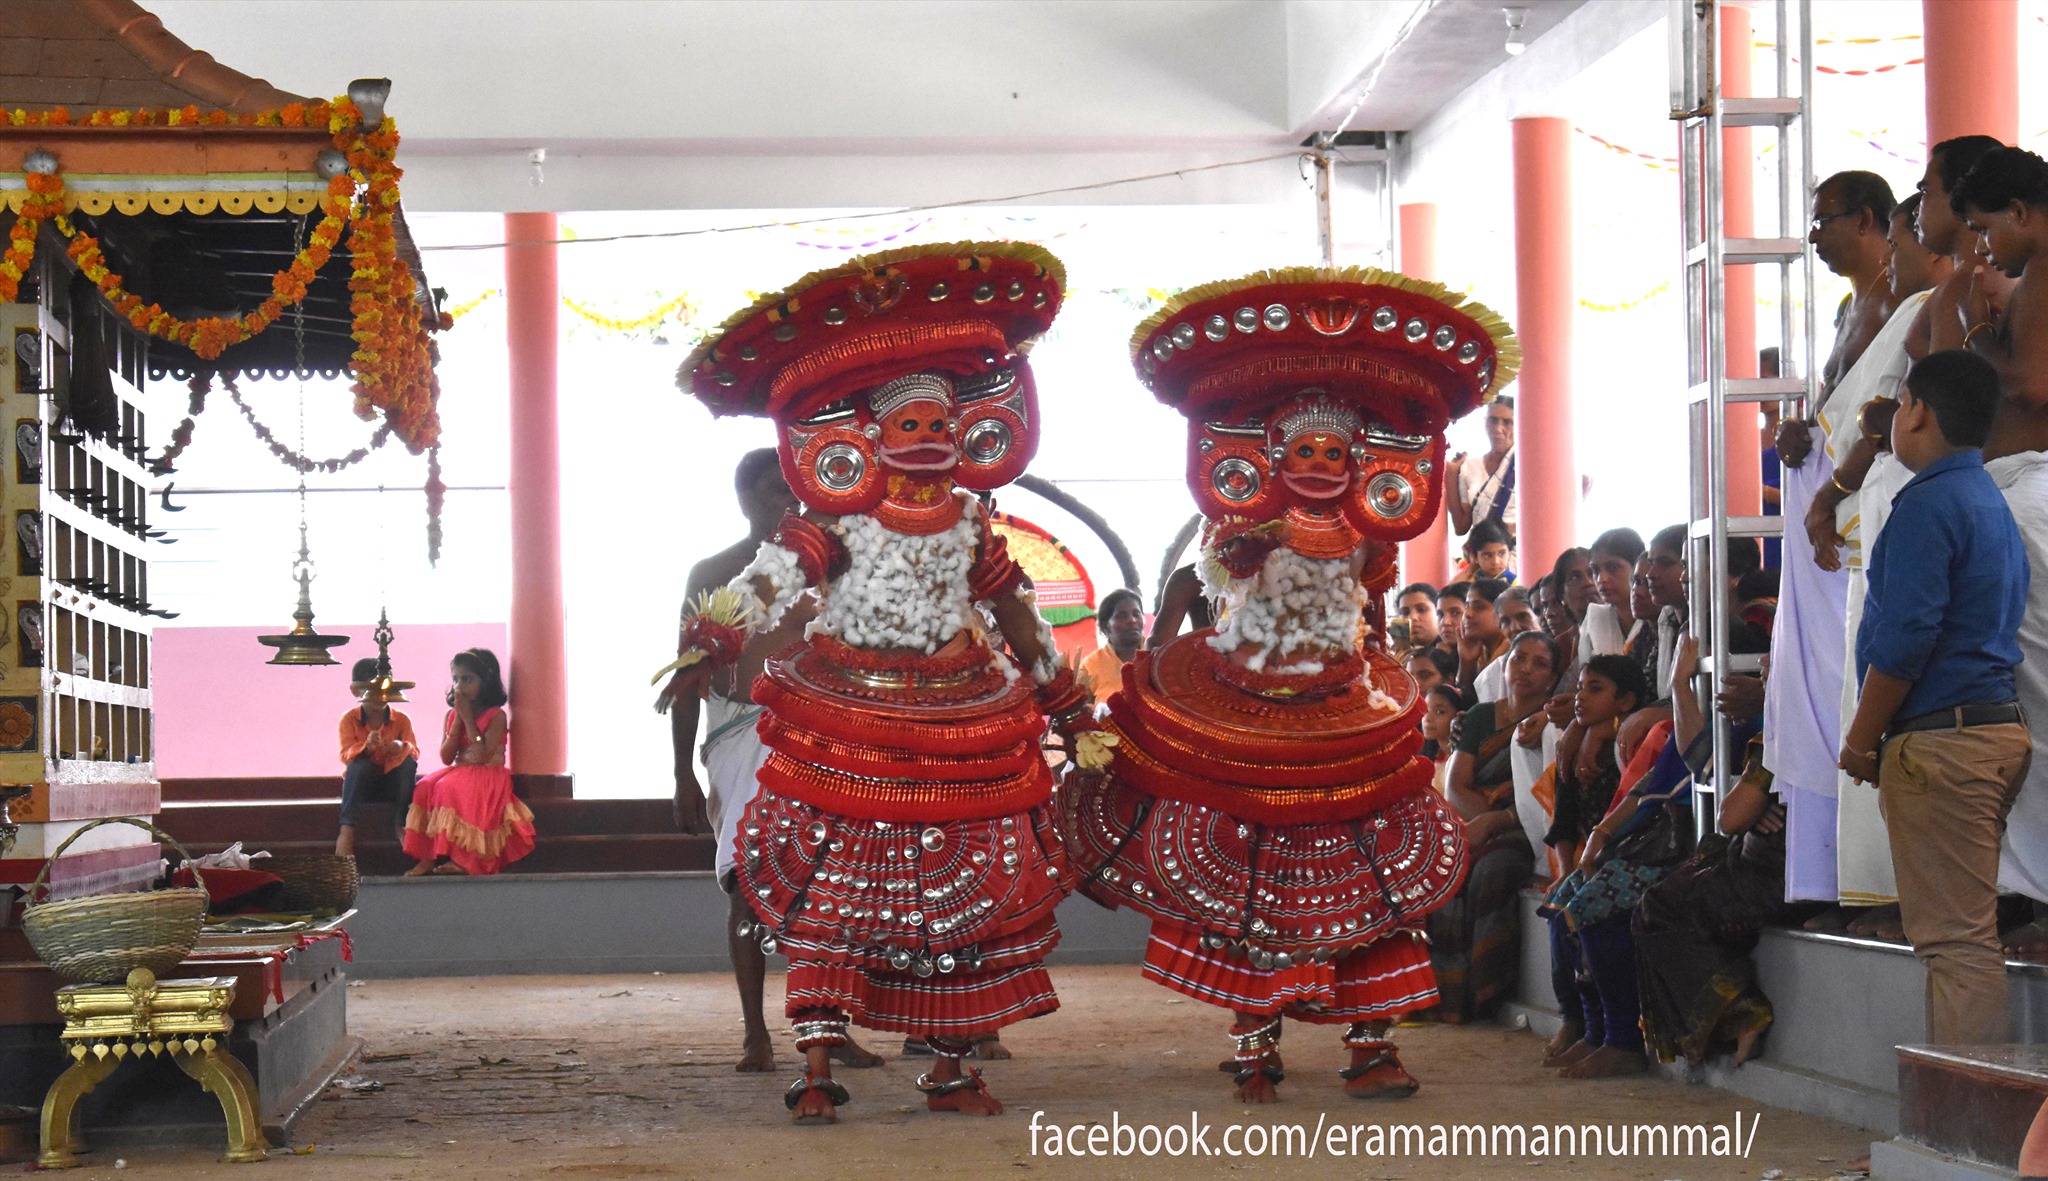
(1848, 514)
(1803, 705)
(732, 751)
(2023, 853)
(2005, 198)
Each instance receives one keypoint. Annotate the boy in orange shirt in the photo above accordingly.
(380, 752)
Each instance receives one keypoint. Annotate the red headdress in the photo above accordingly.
(1382, 359)
(809, 356)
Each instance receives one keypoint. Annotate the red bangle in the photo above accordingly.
(995, 572)
(818, 553)
(1062, 697)
(720, 642)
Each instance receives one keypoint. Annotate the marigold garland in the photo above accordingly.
(46, 200)
(181, 435)
(392, 365)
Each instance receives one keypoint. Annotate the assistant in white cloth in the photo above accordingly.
(733, 756)
(2023, 854)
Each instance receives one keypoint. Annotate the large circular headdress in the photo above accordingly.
(949, 321)
(1383, 360)
(957, 307)
(1409, 353)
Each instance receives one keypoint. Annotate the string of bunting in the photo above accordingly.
(1628, 304)
(1665, 163)
(661, 314)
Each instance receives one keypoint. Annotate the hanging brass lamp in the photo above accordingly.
(302, 645)
(381, 687)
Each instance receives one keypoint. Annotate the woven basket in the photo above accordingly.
(102, 938)
(313, 882)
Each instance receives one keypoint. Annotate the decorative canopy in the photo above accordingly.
(207, 206)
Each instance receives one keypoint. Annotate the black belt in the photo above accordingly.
(1961, 717)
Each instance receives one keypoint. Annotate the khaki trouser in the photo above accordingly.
(1945, 794)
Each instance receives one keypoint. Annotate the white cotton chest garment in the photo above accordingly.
(901, 590)
(1299, 606)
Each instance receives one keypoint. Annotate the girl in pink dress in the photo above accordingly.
(464, 817)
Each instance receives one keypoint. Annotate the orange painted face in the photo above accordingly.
(918, 436)
(1317, 466)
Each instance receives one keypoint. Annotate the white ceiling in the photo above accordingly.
(750, 103)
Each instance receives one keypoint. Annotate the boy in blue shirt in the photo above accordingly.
(1938, 725)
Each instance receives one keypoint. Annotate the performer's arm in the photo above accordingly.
(998, 581)
(1183, 588)
(801, 553)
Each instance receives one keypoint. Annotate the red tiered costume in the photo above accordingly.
(901, 852)
(1268, 806)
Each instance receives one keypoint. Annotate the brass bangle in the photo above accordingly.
(1972, 333)
(1842, 488)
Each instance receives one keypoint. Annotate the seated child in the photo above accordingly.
(380, 755)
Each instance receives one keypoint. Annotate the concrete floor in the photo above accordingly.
(631, 1076)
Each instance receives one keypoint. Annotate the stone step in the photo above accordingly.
(571, 836)
(305, 820)
(1974, 1103)
(328, 787)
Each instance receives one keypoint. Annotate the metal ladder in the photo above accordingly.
(1701, 112)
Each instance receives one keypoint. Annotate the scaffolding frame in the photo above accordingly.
(1702, 112)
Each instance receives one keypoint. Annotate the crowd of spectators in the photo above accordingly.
(1565, 711)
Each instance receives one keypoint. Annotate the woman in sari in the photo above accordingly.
(1475, 939)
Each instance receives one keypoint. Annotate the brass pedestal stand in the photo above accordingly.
(105, 1024)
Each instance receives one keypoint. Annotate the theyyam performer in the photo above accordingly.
(901, 852)
(1268, 807)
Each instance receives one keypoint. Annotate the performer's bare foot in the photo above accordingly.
(1745, 1045)
(815, 1098)
(1229, 1065)
(449, 868)
(1258, 1089)
(855, 1055)
(1571, 1033)
(757, 1054)
(1376, 1073)
(814, 1105)
(1879, 922)
(421, 870)
(991, 1048)
(1570, 1054)
(947, 1088)
(1607, 1062)
(1256, 1066)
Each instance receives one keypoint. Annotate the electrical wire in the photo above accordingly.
(871, 214)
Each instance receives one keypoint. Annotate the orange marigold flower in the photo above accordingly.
(293, 115)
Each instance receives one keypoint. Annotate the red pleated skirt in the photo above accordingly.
(901, 852)
(1381, 981)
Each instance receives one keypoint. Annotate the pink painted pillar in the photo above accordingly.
(1738, 220)
(1973, 68)
(539, 667)
(1426, 558)
(1546, 471)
